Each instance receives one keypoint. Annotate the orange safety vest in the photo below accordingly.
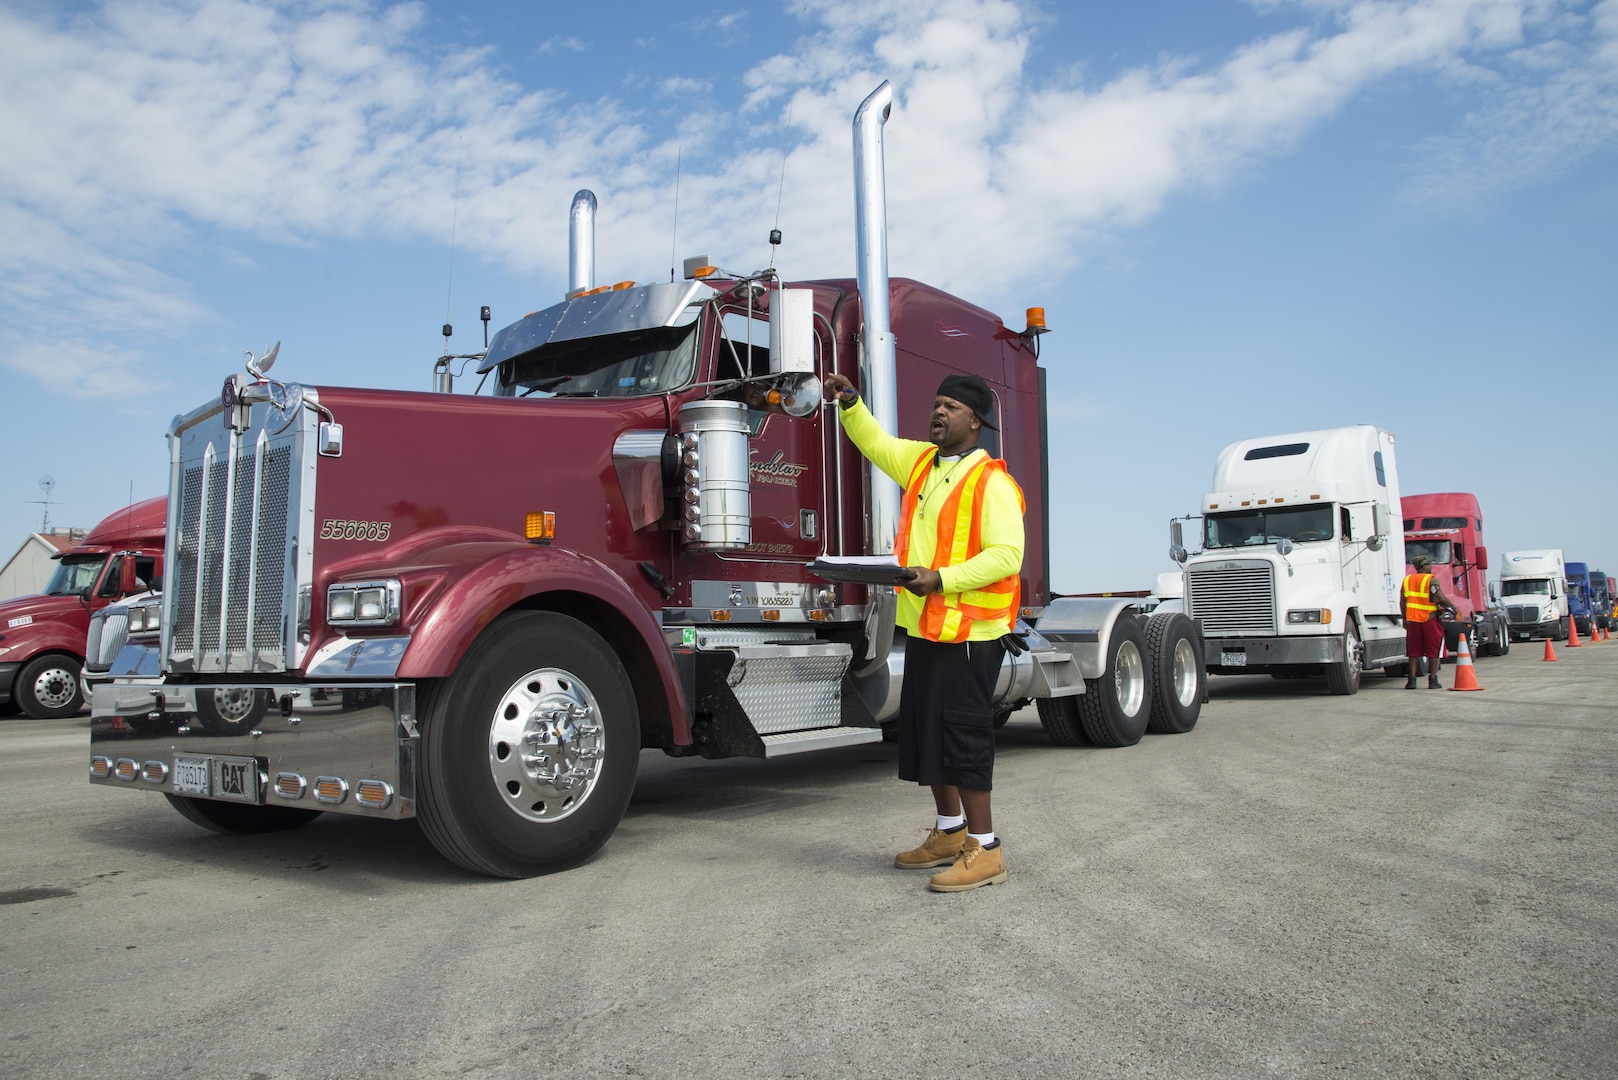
(948, 617)
(1419, 606)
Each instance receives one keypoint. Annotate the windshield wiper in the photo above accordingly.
(547, 384)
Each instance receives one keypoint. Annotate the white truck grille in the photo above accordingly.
(1233, 598)
(1522, 613)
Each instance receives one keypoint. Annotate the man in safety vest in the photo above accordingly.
(1420, 599)
(961, 535)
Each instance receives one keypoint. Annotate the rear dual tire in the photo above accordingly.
(1115, 708)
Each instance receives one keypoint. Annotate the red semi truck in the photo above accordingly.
(42, 637)
(1448, 528)
(476, 610)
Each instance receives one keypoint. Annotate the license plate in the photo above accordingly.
(235, 778)
(1233, 659)
(191, 775)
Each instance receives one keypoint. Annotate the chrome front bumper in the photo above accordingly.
(361, 734)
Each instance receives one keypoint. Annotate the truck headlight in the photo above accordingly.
(145, 618)
(364, 603)
(1309, 615)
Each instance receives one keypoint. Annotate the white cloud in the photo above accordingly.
(550, 46)
(131, 127)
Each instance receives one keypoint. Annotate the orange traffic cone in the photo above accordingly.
(1550, 653)
(1465, 677)
(1606, 633)
(1573, 641)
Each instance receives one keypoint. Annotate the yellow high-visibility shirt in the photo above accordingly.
(1002, 529)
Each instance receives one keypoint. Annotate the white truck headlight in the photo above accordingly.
(1309, 615)
(364, 603)
(145, 618)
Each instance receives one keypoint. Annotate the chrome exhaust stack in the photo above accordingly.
(581, 244)
(879, 376)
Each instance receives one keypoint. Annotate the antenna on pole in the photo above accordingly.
(674, 242)
(47, 484)
(780, 191)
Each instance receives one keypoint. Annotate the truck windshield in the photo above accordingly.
(637, 364)
(1251, 528)
(1436, 550)
(75, 576)
(1525, 587)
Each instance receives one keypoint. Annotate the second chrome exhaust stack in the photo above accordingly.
(581, 244)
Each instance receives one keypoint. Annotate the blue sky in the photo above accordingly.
(1243, 217)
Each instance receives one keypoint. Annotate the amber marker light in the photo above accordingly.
(1036, 323)
(704, 271)
(540, 527)
(720, 615)
(622, 285)
(772, 615)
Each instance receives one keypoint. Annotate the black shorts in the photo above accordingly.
(946, 714)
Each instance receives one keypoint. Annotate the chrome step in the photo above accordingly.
(796, 742)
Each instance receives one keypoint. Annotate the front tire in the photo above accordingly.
(1114, 709)
(48, 687)
(1178, 677)
(239, 818)
(529, 751)
(1343, 677)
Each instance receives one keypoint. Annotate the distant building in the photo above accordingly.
(26, 572)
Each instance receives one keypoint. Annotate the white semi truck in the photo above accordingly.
(1533, 587)
(1302, 557)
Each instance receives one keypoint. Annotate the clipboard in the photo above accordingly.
(862, 569)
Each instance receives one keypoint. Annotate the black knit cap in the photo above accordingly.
(973, 392)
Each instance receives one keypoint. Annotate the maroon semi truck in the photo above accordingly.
(477, 610)
(1447, 527)
(42, 636)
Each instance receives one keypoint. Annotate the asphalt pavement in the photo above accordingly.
(1393, 884)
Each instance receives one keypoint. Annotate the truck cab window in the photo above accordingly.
(1439, 552)
(1347, 523)
(1255, 528)
(640, 363)
(74, 577)
(110, 580)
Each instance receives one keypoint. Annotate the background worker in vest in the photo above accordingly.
(1419, 602)
(961, 534)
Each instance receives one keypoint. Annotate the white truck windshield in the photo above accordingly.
(1254, 528)
(1526, 587)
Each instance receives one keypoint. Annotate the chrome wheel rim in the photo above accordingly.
(1185, 672)
(546, 745)
(1129, 678)
(54, 688)
(234, 704)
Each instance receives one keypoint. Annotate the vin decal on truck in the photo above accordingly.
(339, 529)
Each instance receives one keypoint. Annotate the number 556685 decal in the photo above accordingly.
(338, 529)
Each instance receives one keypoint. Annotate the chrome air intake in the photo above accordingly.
(581, 243)
(716, 498)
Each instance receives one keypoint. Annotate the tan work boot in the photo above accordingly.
(939, 849)
(976, 865)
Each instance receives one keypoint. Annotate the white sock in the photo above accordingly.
(983, 839)
(945, 824)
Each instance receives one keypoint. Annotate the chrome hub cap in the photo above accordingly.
(234, 704)
(1185, 673)
(55, 687)
(1129, 678)
(546, 745)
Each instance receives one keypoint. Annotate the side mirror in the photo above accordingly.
(1482, 554)
(1379, 529)
(1283, 547)
(792, 331)
(1494, 593)
(1177, 553)
(1176, 536)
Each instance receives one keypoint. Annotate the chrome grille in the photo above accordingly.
(1522, 613)
(109, 630)
(237, 570)
(1233, 598)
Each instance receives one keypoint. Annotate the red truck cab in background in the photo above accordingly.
(1448, 528)
(42, 636)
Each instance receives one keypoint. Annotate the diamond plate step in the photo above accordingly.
(796, 742)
